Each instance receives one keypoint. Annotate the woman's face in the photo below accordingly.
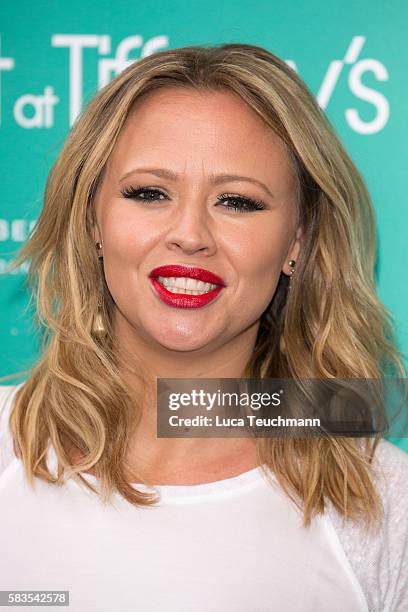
(169, 197)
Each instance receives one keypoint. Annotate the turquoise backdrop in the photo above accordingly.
(55, 55)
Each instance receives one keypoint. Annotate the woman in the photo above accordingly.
(219, 161)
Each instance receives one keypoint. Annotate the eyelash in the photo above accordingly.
(247, 204)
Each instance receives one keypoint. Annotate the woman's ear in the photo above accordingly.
(293, 252)
(92, 213)
(96, 234)
(93, 224)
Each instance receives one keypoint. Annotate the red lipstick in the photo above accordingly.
(184, 300)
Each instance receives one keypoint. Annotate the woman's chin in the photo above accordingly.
(184, 340)
(182, 344)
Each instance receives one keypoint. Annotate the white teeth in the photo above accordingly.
(183, 284)
(197, 285)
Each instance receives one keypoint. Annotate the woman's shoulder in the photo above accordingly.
(7, 391)
(7, 395)
(388, 454)
(390, 470)
(380, 560)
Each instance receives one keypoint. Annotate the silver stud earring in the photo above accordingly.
(292, 264)
(99, 249)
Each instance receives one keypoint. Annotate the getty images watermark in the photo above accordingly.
(269, 407)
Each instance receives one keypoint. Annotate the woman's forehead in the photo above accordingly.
(199, 132)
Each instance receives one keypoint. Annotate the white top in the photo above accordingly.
(234, 545)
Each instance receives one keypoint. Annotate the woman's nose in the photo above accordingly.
(191, 229)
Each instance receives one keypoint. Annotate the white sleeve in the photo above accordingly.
(381, 561)
(7, 393)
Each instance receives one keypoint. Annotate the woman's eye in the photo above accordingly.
(234, 202)
(136, 193)
(241, 203)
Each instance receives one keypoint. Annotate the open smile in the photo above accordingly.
(185, 287)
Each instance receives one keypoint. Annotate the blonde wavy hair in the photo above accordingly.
(330, 324)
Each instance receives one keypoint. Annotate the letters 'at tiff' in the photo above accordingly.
(36, 110)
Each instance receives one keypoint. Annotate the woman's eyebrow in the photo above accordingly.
(215, 179)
